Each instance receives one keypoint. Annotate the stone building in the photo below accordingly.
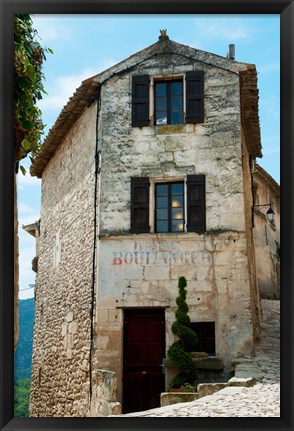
(266, 233)
(146, 176)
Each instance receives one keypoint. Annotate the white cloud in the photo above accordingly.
(269, 151)
(65, 86)
(27, 180)
(270, 67)
(270, 144)
(25, 209)
(222, 28)
(27, 214)
(271, 106)
(50, 27)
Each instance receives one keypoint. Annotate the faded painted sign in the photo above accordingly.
(157, 258)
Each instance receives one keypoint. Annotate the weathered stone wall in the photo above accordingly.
(267, 239)
(212, 148)
(216, 265)
(143, 271)
(248, 201)
(60, 374)
(104, 395)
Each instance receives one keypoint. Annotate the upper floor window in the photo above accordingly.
(169, 96)
(178, 206)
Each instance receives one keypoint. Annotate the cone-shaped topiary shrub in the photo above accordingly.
(179, 353)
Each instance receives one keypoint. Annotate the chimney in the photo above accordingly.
(231, 52)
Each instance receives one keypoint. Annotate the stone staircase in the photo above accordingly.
(264, 367)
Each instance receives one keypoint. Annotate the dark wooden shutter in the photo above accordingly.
(195, 97)
(140, 100)
(140, 205)
(196, 203)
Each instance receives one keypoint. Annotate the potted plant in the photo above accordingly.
(179, 353)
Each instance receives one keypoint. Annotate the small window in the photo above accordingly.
(172, 200)
(168, 102)
(169, 207)
(205, 332)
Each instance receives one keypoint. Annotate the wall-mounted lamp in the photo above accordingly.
(270, 212)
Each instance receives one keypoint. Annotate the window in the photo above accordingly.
(169, 207)
(205, 332)
(172, 200)
(168, 96)
(169, 105)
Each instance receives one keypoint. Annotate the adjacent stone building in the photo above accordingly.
(267, 234)
(147, 175)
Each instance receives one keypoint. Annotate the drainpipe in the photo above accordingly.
(95, 99)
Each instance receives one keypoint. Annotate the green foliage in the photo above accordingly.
(23, 353)
(23, 358)
(189, 388)
(22, 397)
(219, 229)
(179, 353)
(28, 88)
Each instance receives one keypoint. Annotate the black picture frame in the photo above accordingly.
(285, 8)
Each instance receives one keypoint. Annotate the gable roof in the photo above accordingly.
(91, 86)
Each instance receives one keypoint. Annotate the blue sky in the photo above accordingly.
(85, 45)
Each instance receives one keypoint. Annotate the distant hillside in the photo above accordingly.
(23, 354)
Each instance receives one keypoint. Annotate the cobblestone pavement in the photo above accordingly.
(262, 399)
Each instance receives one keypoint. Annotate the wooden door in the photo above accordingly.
(144, 350)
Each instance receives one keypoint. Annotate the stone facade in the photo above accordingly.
(61, 348)
(128, 270)
(267, 234)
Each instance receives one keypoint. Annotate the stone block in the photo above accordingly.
(85, 365)
(168, 398)
(69, 354)
(113, 316)
(210, 363)
(241, 360)
(153, 273)
(204, 389)
(103, 315)
(231, 390)
(190, 272)
(222, 258)
(69, 341)
(221, 271)
(222, 286)
(69, 316)
(64, 329)
(115, 408)
(196, 355)
(73, 327)
(148, 131)
(242, 381)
